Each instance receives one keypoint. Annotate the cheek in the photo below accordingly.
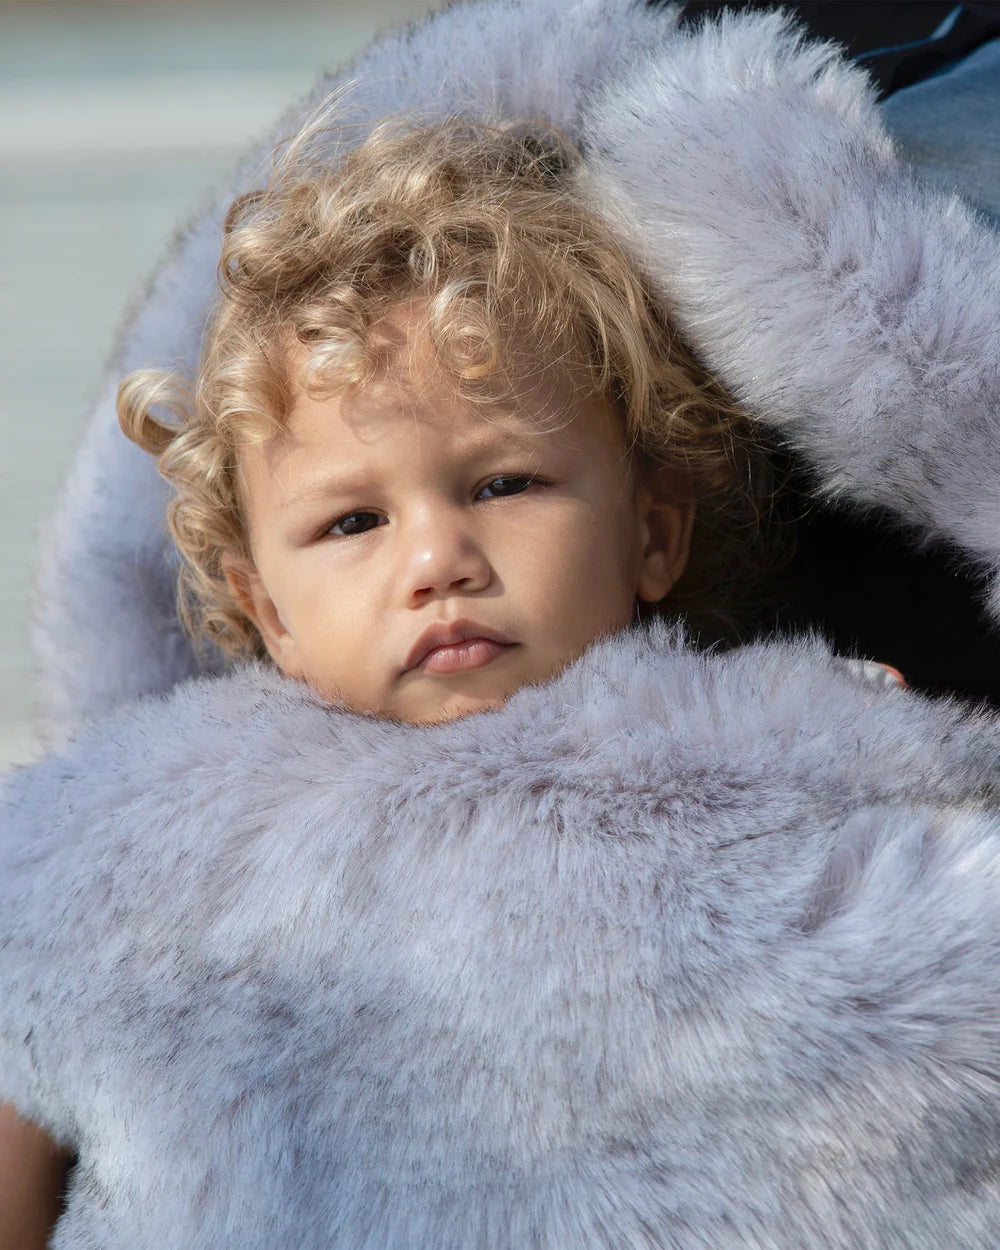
(321, 595)
(585, 573)
(331, 631)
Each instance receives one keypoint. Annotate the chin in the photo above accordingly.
(462, 699)
(454, 706)
(458, 709)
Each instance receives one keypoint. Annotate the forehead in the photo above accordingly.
(379, 429)
(525, 397)
(386, 423)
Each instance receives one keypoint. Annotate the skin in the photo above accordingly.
(32, 1180)
(378, 514)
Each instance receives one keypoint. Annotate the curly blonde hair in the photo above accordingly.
(481, 223)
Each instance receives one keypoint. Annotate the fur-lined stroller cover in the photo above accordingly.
(679, 950)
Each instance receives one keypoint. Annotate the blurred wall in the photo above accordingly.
(116, 120)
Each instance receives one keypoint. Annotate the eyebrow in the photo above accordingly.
(331, 485)
(321, 488)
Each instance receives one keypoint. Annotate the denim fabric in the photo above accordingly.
(948, 127)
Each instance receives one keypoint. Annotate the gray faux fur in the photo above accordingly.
(679, 950)
(849, 306)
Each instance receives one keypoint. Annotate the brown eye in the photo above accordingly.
(355, 523)
(508, 484)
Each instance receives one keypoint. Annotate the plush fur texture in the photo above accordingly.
(679, 950)
(849, 306)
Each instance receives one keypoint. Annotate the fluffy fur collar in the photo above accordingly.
(676, 951)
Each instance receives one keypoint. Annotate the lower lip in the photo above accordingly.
(462, 657)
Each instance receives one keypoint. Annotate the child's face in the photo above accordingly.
(422, 558)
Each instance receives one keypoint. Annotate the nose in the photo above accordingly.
(442, 555)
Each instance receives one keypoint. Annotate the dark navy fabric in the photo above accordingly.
(964, 28)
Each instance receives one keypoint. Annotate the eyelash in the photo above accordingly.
(525, 481)
(525, 478)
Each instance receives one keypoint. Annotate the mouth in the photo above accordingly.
(460, 647)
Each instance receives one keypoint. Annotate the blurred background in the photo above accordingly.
(116, 121)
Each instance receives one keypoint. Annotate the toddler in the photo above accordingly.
(662, 949)
(442, 439)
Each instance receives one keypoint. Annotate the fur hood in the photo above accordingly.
(847, 306)
(678, 950)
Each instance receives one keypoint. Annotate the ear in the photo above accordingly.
(666, 516)
(252, 595)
